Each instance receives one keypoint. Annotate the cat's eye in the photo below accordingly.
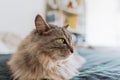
(62, 41)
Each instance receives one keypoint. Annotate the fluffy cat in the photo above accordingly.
(45, 54)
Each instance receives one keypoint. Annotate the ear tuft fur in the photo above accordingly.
(66, 26)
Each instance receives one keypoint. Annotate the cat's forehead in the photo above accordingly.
(60, 31)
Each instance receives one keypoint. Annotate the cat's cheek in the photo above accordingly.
(59, 54)
(55, 57)
(66, 52)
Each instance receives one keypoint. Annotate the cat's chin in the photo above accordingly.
(62, 57)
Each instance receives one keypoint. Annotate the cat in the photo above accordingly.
(45, 54)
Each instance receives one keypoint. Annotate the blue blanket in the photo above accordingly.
(100, 65)
(4, 71)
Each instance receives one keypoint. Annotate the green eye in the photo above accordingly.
(60, 41)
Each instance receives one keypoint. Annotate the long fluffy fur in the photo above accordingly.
(47, 69)
(35, 61)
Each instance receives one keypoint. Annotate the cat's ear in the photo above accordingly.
(41, 25)
(66, 26)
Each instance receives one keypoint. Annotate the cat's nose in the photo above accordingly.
(71, 49)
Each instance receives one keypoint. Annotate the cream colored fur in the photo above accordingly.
(53, 70)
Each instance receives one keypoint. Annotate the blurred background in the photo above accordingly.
(93, 23)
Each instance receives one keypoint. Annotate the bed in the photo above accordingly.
(102, 64)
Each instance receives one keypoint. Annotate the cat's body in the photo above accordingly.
(45, 54)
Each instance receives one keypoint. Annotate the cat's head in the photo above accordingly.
(52, 40)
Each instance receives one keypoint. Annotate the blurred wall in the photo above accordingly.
(102, 22)
(17, 16)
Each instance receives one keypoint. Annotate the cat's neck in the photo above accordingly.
(66, 68)
(49, 62)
